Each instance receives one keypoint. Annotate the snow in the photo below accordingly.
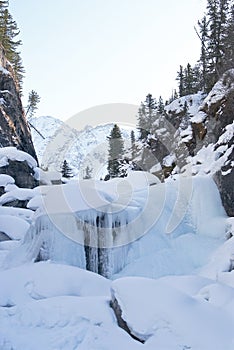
(14, 227)
(168, 312)
(220, 89)
(24, 214)
(22, 194)
(227, 135)
(193, 104)
(5, 180)
(199, 117)
(208, 160)
(45, 280)
(11, 153)
(171, 236)
(169, 160)
(4, 70)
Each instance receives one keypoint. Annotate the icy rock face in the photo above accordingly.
(13, 124)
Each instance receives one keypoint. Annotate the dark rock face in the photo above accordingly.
(225, 182)
(121, 322)
(21, 172)
(14, 130)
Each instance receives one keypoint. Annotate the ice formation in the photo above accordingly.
(104, 226)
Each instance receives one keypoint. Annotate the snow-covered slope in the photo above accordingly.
(57, 141)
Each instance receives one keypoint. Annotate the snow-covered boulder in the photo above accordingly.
(168, 318)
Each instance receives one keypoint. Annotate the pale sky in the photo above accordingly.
(82, 53)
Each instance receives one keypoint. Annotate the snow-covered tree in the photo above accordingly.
(116, 153)
(66, 170)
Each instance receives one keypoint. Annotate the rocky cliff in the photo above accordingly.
(195, 136)
(13, 124)
(14, 129)
(208, 136)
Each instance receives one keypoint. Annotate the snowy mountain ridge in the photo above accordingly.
(88, 147)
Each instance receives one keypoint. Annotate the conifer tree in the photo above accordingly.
(8, 33)
(133, 144)
(203, 30)
(33, 100)
(147, 115)
(66, 170)
(229, 41)
(217, 12)
(87, 173)
(160, 105)
(116, 152)
(180, 78)
(188, 80)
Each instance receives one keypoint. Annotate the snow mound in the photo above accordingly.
(168, 318)
(14, 227)
(44, 280)
(11, 153)
(5, 180)
(22, 194)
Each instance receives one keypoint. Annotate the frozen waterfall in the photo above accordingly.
(103, 226)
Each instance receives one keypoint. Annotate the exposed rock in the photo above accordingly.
(208, 127)
(4, 237)
(21, 172)
(14, 130)
(121, 322)
(225, 182)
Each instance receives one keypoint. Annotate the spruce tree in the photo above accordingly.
(217, 12)
(188, 80)
(180, 78)
(116, 153)
(133, 144)
(66, 170)
(147, 115)
(87, 173)
(204, 57)
(160, 105)
(229, 41)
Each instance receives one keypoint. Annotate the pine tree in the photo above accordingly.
(116, 152)
(66, 170)
(188, 80)
(147, 115)
(8, 33)
(133, 144)
(229, 41)
(160, 105)
(217, 12)
(33, 100)
(88, 173)
(204, 57)
(180, 78)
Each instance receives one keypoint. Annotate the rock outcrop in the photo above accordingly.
(198, 132)
(14, 129)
